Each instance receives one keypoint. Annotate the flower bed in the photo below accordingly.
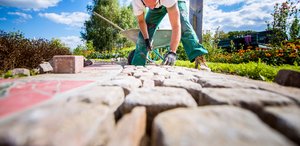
(289, 53)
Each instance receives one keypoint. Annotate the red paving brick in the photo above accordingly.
(22, 95)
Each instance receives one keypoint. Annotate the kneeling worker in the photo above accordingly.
(181, 29)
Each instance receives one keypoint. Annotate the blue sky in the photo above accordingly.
(63, 19)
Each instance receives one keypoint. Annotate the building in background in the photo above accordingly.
(196, 16)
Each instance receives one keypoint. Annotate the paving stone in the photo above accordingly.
(4, 86)
(128, 83)
(291, 92)
(96, 72)
(213, 126)
(128, 71)
(88, 62)
(139, 74)
(285, 119)
(288, 78)
(45, 67)
(156, 100)
(20, 95)
(67, 63)
(60, 124)
(160, 71)
(211, 75)
(187, 77)
(140, 67)
(224, 83)
(130, 129)
(191, 87)
(147, 83)
(176, 69)
(183, 70)
(158, 80)
(112, 97)
(248, 98)
(151, 67)
(129, 67)
(21, 71)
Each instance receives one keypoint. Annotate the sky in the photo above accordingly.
(64, 19)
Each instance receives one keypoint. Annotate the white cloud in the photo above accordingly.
(22, 16)
(30, 4)
(3, 19)
(241, 15)
(72, 41)
(251, 14)
(75, 19)
(90, 3)
(223, 2)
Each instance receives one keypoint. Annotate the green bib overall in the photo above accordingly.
(189, 38)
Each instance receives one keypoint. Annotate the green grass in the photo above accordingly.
(253, 70)
(102, 60)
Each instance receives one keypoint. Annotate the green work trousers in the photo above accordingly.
(189, 38)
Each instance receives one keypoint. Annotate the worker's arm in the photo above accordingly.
(174, 17)
(144, 30)
(143, 25)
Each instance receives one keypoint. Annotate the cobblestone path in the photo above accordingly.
(108, 105)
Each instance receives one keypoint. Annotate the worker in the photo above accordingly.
(181, 29)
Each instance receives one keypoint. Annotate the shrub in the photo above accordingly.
(181, 54)
(19, 52)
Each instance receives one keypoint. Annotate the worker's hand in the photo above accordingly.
(148, 44)
(170, 58)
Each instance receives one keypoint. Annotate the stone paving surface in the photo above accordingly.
(110, 104)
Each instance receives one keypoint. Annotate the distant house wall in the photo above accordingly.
(196, 16)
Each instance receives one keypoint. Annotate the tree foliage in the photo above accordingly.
(87, 50)
(233, 34)
(103, 35)
(295, 29)
(281, 23)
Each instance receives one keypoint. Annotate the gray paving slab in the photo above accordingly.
(213, 126)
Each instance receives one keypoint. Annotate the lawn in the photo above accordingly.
(253, 70)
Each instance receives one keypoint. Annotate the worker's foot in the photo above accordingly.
(203, 65)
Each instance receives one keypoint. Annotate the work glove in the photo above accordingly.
(170, 58)
(148, 44)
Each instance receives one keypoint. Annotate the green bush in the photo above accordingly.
(8, 74)
(19, 52)
(181, 54)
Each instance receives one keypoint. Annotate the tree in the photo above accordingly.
(280, 23)
(234, 34)
(87, 50)
(103, 35)
(79, 50)
(295, 29)
(58, 43)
